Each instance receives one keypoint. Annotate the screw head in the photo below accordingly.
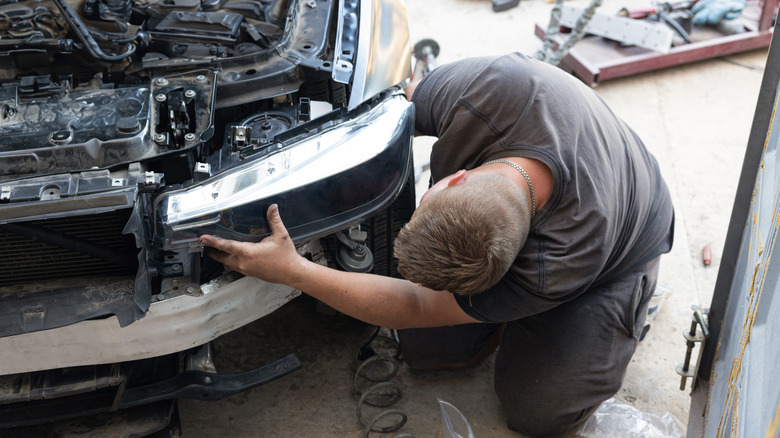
(159, 138)
(201, 79)
(176, 267)
(161, 81)
(189, 136)
(207, 379)
(160, 97)
(189, 93)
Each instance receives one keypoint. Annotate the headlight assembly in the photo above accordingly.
(320, 182)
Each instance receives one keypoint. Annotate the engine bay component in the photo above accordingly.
(353, 254)
(131, 127)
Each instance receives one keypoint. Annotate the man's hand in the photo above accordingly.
(274, 259)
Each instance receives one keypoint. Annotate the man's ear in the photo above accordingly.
(458, 178)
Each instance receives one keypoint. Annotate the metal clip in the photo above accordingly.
(692, 337)
(202, 172)
(240, 136)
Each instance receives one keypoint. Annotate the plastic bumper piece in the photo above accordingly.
(208, 386)
(175, 324)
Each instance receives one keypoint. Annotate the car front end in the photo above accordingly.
(130, 128)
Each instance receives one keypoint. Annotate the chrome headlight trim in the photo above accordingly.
(384, 53)
(342, 147)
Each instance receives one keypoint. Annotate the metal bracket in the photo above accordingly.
(649, 35)
(5, 193)
(240, 136)
(201, 172)
(692, 337)
(201, 359)
(151, 181)
(343, 64)
(174, 287)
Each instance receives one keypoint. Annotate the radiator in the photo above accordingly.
(25, 258)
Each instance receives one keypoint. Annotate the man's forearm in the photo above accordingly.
(384, 301)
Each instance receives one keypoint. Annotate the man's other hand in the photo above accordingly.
(274, 259)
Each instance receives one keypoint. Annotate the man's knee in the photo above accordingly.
(544, 417)
(448, 347)
(549, 402)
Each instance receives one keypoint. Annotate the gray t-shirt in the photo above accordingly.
(610, 209)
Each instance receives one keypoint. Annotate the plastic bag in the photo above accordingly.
(615, 419)
(453, 422)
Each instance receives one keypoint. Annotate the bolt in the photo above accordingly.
(160, 97)
(189, 136)
(160, 297)
(201, 79)
(161, 81)
(176, 267)
(189, 93)
(190, 290)
(159, 138)
(207, 379)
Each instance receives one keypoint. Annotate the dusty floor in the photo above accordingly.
(695, 119)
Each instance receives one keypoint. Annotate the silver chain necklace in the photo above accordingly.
(527, 179)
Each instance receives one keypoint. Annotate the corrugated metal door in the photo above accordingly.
(737, 391)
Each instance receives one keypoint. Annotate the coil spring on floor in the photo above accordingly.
(377, 364)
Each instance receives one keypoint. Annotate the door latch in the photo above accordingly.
(692, 337)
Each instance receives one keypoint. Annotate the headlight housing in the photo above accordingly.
(319, 182)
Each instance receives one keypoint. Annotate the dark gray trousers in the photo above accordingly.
(555, 368)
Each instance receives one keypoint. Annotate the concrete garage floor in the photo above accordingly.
(695, 119)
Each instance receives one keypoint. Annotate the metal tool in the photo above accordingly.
(425, 51)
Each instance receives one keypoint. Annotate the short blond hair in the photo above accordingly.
(464, 238)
